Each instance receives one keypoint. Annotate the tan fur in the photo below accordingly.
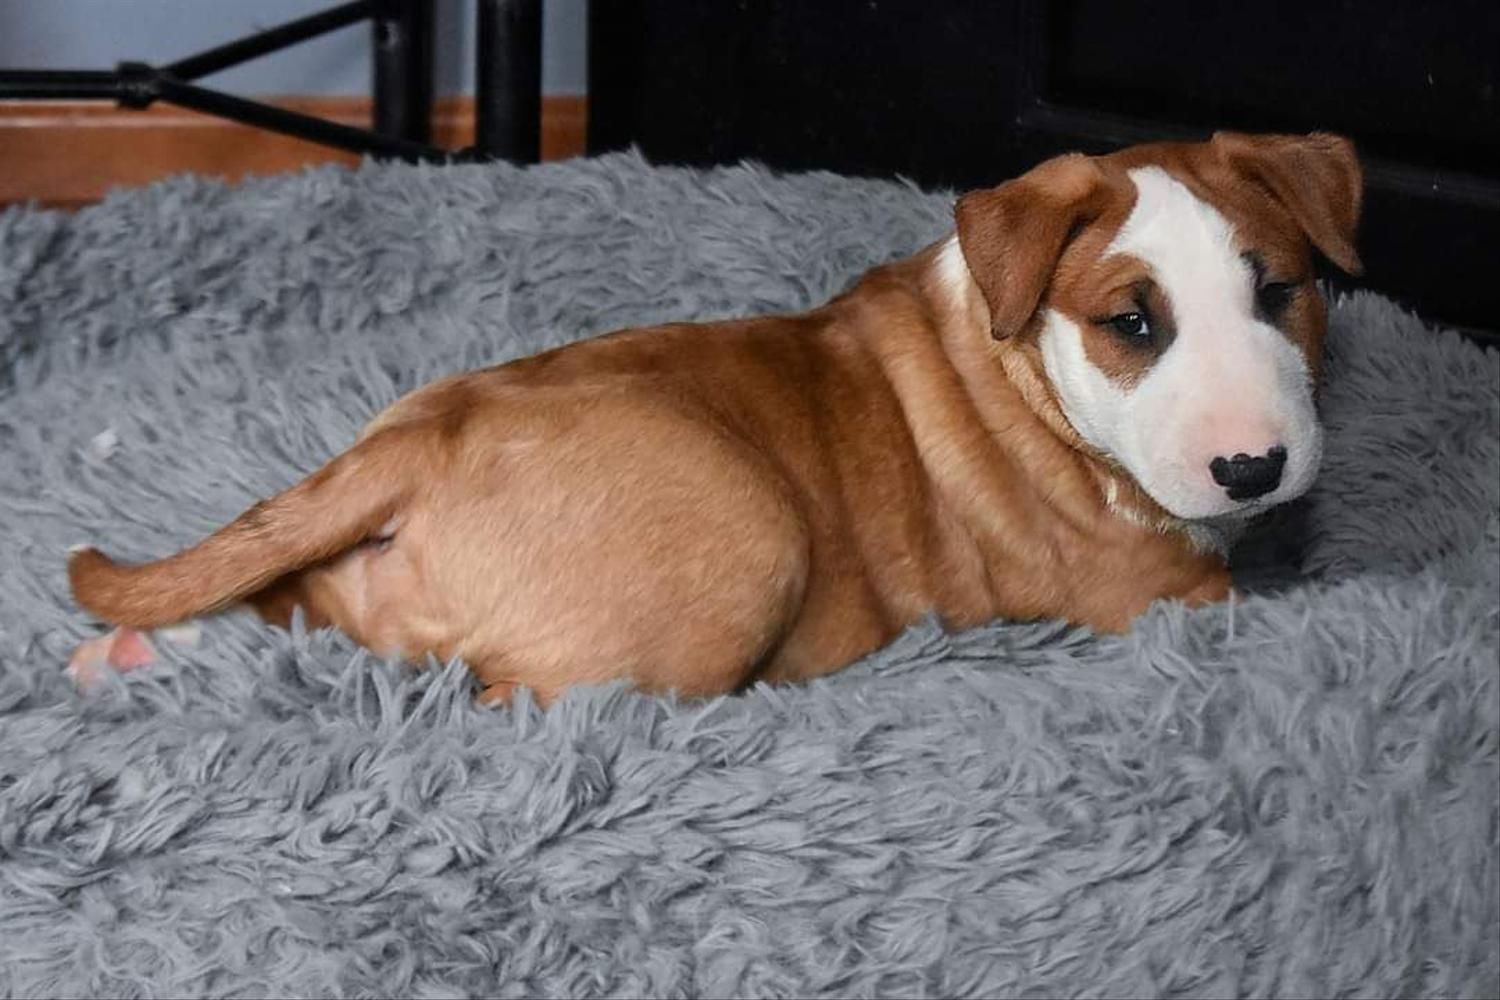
(695, 507)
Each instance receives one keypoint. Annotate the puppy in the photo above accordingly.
(1063, 410)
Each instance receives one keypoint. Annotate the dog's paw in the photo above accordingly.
(120, 650)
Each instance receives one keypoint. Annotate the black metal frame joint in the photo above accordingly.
(135, 85)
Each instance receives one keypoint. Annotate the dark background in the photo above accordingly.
(967, 93)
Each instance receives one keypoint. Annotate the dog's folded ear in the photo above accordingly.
(1013, 235)
(1316, 177)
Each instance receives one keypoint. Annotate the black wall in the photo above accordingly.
(966, 93)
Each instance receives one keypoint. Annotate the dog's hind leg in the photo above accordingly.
(276, 603)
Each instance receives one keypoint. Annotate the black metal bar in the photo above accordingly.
(403, 79)
(291, 123)
(403, 69)
(271, 40)
(508, 89)
(59, 84)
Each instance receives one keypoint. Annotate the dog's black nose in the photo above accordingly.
(1245, 478)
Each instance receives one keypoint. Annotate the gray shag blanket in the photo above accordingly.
(1291, 795)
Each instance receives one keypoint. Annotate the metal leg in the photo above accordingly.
(403, 69)
(508, 89)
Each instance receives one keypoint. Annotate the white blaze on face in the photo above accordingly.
(1229, 383)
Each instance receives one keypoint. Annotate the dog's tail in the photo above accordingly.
(334, 509)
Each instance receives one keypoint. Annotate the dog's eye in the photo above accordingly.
(1273, 297)
(1131, 325)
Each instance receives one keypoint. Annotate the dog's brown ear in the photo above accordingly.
(1013, 235)
(1316, 176)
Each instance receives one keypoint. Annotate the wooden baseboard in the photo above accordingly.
(69, 153)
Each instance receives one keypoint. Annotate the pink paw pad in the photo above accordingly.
(121, 650)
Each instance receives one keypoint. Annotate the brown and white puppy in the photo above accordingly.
(1061, 411)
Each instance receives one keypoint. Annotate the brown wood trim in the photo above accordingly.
(68, 153)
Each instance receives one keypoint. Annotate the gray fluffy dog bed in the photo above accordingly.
(1292, 795)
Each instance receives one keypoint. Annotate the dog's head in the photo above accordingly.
(1169, 291)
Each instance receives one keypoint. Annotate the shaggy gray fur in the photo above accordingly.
(1293, 795)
